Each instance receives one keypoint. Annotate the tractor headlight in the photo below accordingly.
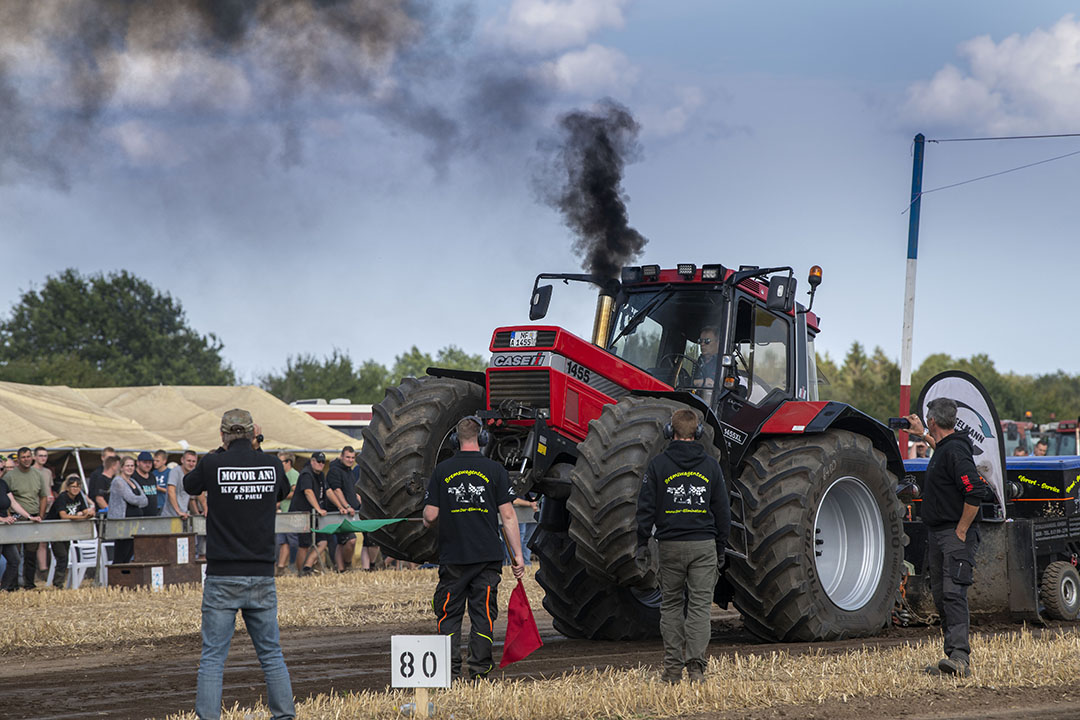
(686, 270)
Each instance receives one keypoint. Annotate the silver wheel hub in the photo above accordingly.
(849, 543)
(1068, 591)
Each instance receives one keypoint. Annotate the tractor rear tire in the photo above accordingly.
(823, 535)
(407, 437)
(1060, 591)
(605, 483)
(582, 606)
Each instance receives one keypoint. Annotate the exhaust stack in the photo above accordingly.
(605, 305)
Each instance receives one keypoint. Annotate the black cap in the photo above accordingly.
(318, 457)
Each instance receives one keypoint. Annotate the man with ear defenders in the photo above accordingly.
(684, 496)
(464, 494)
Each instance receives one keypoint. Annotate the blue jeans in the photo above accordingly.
(256, 599)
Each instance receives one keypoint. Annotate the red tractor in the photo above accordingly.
(817, 542)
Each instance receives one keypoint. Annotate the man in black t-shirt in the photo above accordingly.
(70, 504)
(101, 480)
(463, 495)
(339, 483)
(953, 491)
(309, 494)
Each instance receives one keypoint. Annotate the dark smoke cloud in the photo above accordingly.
(582, 177)
(70, 70)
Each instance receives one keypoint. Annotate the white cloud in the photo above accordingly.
(1025, 83)
(145, 145)
(179, 80)
(553, 25)
(594, 70)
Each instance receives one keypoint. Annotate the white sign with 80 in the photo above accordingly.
(420, 661)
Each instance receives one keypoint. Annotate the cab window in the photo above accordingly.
(761, 344)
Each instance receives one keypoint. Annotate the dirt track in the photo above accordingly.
(153, 680)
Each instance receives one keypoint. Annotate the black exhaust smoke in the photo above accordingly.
(69, 68)
(582, 177)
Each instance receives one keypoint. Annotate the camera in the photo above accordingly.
(899, 424)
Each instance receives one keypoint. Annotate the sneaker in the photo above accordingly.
(955, 665)
(696, 675)
(307, 572)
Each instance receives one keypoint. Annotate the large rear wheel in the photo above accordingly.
(823, 535)
(582, 606)
(407, 437)
(605, 485)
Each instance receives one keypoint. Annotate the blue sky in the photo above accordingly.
(773, 133)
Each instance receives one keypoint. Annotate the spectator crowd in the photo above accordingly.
(146, 484)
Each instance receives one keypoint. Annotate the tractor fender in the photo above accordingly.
(806, 417)
(472, 376)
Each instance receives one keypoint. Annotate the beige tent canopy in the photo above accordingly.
(148, 418)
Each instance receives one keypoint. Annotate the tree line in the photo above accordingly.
(871, 383)
(116, 329)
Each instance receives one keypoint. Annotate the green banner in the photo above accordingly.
(364, 526)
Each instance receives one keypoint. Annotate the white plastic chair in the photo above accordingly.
(82, 556)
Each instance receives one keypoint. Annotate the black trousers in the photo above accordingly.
(123, 550)
(29, 565)
(475, 585)
(60, 552)
(10, 580)
(952, 564)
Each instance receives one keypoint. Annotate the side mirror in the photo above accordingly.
(781, 293)
(541, 299)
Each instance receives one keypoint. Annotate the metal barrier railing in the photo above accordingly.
(104, 530)
(47, 531)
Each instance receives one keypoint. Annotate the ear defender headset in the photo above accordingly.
(482, 439)
(669, 431)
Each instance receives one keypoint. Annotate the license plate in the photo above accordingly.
(523, 338)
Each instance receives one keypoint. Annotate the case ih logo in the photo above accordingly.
(536, 359)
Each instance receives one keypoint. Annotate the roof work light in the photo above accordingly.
(712, 272)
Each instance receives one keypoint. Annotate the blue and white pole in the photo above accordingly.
(909, 286)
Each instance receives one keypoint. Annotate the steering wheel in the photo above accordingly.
(674, 360)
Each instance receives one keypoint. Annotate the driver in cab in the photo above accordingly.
(705, 370)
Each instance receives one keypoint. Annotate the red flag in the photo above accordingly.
(522, 635)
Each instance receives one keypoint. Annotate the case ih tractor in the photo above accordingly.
(817, 542)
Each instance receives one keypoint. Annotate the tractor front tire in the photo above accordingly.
(606, 481)
(1060, 591)
(582, 606)
(822, 531)
(407, 437)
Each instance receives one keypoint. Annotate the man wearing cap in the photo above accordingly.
(144, 476)
(243, 487)
(309, 494)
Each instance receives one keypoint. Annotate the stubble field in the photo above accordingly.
(134, 654)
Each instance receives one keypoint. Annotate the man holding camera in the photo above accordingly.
(684, 495)
(950, 511)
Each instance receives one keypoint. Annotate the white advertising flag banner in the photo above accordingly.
(977, 418)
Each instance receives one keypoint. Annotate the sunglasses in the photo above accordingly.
(705, 341)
